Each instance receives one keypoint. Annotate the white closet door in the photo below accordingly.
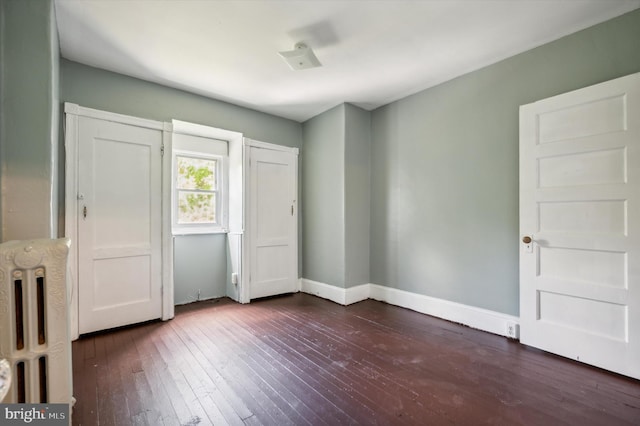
(119, 224)
(580, 205)
(273, 240)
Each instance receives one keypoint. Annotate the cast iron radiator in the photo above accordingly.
(34, 323)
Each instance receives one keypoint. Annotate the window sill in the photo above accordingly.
(183, 232)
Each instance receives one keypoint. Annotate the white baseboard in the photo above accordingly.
(481, 319)
(478, 318)
(343, 296)
(357, 294)
(186, 302)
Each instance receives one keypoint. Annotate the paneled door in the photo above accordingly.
(272, 217)
(119, 224)
(580, 225)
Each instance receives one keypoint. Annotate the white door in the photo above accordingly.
(272, 232)
(119, 224)
(580, 205)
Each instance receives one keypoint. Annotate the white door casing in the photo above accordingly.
(580, 205)
(272, 225)
(235, 179)
(120, 262)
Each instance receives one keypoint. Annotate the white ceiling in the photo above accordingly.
(373, 52)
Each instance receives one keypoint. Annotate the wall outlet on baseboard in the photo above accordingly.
(234, 278)
(513, 330)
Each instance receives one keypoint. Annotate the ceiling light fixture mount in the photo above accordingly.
(300, 58)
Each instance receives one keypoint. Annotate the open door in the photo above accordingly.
(580, 225)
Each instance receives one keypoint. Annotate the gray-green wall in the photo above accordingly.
(357, 194)
(322, 180)
(100, 89)
(444, 207)
(200, 261)
(197, 265)
(29, 115)
(336, 196)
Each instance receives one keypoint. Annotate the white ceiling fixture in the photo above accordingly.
(372, 52)
(300, 58)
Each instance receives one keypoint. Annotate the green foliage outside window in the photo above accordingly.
(196, 185)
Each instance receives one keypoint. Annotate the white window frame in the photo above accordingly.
(221, 224)
(199, 141)
(235, 199)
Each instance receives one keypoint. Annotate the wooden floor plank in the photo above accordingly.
(335, 380)
(117, 390)
(128, 369)
(80, 385)
(229, 399)
(250, 385)
(201, 386)
(103, 383)
(275, 378)
(180, 373)
(150, 380)
(303, 360)
(89, 396)
(343, 357)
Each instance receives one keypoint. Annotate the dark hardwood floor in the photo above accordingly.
(298, 359)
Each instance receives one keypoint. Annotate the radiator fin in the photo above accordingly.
(20, 383)
(41, 306)
(19, 310)
(42, 369)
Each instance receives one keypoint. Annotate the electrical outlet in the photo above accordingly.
(234, 278)
(513, 330)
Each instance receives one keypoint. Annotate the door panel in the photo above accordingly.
(119, 228)
(580, 203)
(273, 223)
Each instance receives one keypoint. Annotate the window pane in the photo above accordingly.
(195, 173)
(196, 207)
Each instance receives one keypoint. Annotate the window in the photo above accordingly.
(197, 189)
(199, 200)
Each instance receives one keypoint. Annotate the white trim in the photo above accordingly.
(244, 281)
(326, 291)
(481, 319)
(234, 188)
(357, 294)
(72, 112)
(71, 213)
(78, 110)
(271, 146)
(193, 129)
(168, 310)
(343, 296)
(471, 316)
(203, 299)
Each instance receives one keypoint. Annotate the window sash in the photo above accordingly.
(198, 226)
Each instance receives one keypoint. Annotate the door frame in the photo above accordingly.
(72, 113)
(245, 293)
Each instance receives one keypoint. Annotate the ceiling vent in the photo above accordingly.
(300, 58)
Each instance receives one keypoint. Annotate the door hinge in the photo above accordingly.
(162, 150)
